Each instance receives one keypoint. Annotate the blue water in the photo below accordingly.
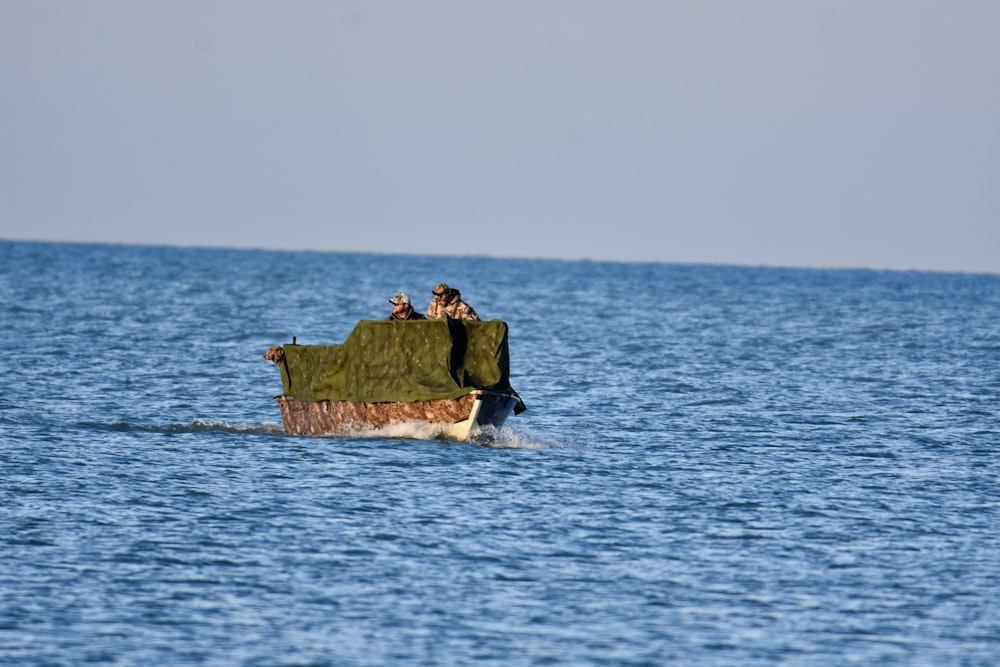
(719, 466)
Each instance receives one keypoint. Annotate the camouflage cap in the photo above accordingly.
(400, 298)
(442, 288)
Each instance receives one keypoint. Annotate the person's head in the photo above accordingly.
(442, 293)
(400, 303)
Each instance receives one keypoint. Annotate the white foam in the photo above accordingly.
(503, 438)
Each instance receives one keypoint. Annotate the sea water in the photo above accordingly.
(718, 466)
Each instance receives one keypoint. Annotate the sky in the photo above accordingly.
(826, 133)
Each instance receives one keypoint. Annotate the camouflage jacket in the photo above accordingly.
(456, 309)
(412, 315)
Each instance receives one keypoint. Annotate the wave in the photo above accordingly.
(505, 437)
(501, 438)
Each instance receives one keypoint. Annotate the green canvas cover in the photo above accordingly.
(384, 361)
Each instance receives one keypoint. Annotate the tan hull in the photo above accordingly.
(455, 419)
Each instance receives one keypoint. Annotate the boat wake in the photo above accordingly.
(507, 437)
(199, 426)
(504, 437)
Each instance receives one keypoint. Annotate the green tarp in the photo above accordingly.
(386, 361)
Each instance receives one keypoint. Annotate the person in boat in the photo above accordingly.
(402, 310)
(448, 301)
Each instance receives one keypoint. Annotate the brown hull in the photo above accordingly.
(457, 419)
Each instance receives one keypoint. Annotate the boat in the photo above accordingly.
(429, 379)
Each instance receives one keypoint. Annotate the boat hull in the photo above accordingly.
(461, 419)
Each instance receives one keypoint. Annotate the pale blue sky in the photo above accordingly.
(786, 133)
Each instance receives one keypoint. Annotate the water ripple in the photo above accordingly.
(774, 467)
